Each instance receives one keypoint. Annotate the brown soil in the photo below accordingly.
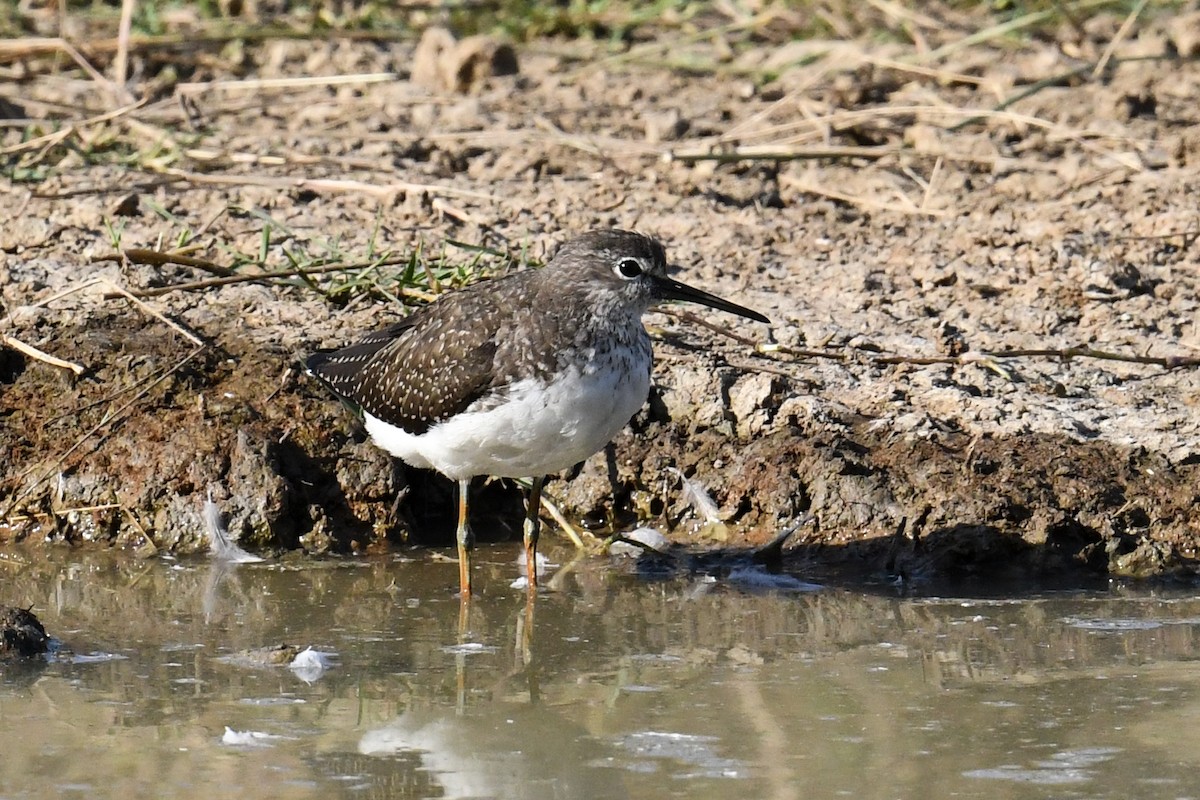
(904, 246)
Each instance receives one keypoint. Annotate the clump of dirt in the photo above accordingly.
(980, 263)
(21, 634)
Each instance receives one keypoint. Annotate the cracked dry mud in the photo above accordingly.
(1068, 220)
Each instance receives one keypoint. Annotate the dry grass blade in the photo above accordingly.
(942, 75)
(45, 301)
(902, 204)
(51, 139)
(563, 523)
(18, 49)
(1030, 90)
(780, 153)
(121, 60)
(1018, 23)
(219, 158)
(31, 515)
(1122, 32)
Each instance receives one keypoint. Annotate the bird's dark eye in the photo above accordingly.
(628, 268)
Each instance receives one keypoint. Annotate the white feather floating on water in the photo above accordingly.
(695, 496)
(310, 665)
(249, 738)
(219, 543)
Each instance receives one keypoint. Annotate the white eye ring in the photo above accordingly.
(628, 268)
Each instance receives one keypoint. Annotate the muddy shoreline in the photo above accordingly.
(912, 449)
(290, 467)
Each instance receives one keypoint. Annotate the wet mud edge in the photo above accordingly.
(128, 454)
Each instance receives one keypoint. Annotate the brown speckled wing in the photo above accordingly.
(422, 370)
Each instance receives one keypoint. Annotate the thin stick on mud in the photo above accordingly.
(327, 185)
(22, 48)
(1060, 79)
(45, 301)
(566, 527)
(759, 347)
(154, 257)
(264, 84)
(1122, 32)
(805, 186)
(39, 355)
(1063, 354)
(31, 515)
(158, 315)
(220, 158)
(109, 420)
(780, 153)
(943, 75)
(51, 139)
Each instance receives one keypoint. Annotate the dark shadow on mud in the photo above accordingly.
(974, 561)
(12, 364)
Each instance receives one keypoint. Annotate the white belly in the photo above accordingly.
(537, 430)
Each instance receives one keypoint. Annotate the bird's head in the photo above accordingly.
(632, 268)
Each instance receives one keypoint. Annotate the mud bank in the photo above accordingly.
(982, 274)
(289, 467)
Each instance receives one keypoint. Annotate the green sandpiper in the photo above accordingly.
(521, 376)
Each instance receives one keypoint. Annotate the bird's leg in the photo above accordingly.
(466, 540)
(532, 523)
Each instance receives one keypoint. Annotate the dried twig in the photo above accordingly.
(565, 525)
(154, 258)
(226, 280)
(943, 75)
(21, 48)
(1063, 354)
(45, 301)
(327, 185)
(759, 347)
(59, 512)
(1028, 91)
(33, 352)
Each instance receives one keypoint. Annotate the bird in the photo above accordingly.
(520, 376)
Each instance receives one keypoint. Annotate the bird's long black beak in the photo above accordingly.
(670, 289)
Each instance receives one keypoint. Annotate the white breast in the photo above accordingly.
(534, 428)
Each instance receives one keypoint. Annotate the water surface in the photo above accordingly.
(620, 686)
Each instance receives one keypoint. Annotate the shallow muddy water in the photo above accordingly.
(621, 685)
